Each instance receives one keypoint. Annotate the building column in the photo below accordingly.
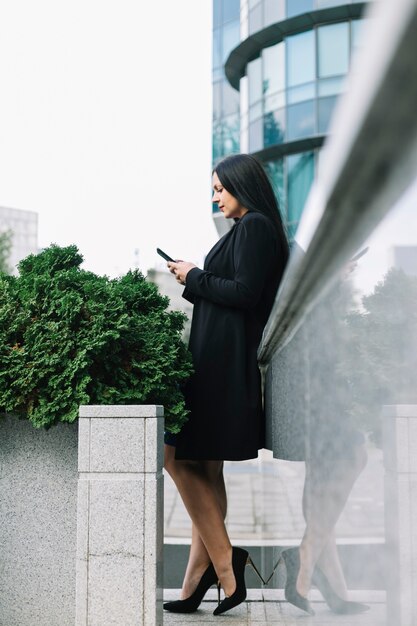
(119, 572)
(400, 460)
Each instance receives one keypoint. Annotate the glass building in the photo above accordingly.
(278, 68)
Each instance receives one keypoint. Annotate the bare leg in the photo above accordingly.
(200, 494)
(199, 559)
(323, 501)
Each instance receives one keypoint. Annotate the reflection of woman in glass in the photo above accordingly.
(232, 297)
(333, 449)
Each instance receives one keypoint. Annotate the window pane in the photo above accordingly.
(333, 42)
(231, 10)
(322, 4)
(294, 7)
(252, 3)
(217, 100)
(217, 141)
(300, 120)
(275, 171)
(255, 136)
(331, 86)
(325, 110)
(231, 134)
(255, 19)
(255, 81)
(217, 60)
(218, 73)
(255, 112)
(301, 93)
(357, 28)
(274, 123)
(273, 59)
(300, 58)
(230, 99)
(300, 174)
(274, 11)
(217, 15)
(231, 38)
(276, 101)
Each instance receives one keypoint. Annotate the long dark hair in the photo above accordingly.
(244, 177)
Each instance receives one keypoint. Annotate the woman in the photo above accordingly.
(232, 296)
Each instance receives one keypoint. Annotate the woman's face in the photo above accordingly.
(228, 205)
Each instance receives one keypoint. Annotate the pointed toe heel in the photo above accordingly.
(292, 564)
(333, 600)
(191, 604)
(240, 558)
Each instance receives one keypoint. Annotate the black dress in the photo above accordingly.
(232, 298)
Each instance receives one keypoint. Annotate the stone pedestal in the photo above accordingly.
(400, 460)
(119, 577)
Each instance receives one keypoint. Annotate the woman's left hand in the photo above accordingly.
(180, 270)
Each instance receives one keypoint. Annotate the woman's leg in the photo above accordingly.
(201, 486)
(199, 559)
(331, 566)
(324, 499)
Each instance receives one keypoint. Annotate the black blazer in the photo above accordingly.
(232, 296)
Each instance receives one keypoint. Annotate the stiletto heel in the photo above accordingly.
(191, 604)
(292, 563)
(239, 560)
(218, 592)
(334, 601)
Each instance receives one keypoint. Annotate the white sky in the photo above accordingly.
(105, 126)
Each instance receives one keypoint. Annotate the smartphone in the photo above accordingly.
(164, 255)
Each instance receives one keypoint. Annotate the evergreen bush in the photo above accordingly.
(70, 337)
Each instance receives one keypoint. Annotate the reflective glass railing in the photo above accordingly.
(339, 356)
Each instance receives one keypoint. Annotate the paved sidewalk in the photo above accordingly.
(268, 608)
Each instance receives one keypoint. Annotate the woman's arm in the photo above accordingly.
(254, 252)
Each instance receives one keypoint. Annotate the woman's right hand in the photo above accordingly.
(180, 270)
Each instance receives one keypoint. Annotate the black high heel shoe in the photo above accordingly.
(191, 604)
(335, 602)
(240, 558)
(292, 564)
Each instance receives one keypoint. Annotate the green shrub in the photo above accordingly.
(70, 337)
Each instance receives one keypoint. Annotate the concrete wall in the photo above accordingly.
(38, 499)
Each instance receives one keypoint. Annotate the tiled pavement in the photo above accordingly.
(267, 608)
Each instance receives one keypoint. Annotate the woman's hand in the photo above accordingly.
(180, 270)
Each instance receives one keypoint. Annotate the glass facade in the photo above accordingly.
(291, 177)
(287, 94)
(301, 77)
(226, 100)
(262, 13)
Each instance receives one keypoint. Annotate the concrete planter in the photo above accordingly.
(38, 501)
(400, 460)
(120, 516)
(101, 565)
